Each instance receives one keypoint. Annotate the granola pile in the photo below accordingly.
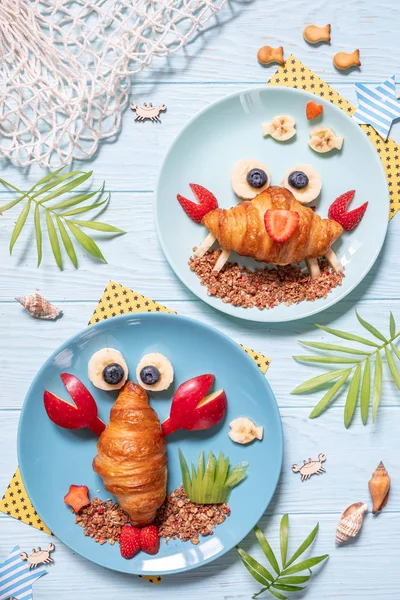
(102, 520)
(263, 288)
(182, 519)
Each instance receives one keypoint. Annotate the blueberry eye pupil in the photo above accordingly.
(113, 373)
(150, 375)
(298, 180)
(256, 178)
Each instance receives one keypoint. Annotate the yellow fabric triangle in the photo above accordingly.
(295, 74)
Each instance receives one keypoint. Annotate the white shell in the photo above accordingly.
(351, 521)
(38, 307)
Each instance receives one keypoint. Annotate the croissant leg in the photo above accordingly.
(313, 267)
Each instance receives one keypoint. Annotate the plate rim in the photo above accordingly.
(252, 314)
(149, 316)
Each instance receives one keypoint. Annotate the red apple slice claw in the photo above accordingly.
(209, 398)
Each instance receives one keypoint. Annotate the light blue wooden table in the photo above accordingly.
(221, 61)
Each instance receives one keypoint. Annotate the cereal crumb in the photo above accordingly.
(180, 518)
(102, 520)
(266, 287)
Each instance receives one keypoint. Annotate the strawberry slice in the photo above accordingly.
(313, 110)
(348, 220)
(77, 497)
(207, 202)
(281, 224)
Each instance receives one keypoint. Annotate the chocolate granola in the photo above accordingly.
(266, 287)
(180, 518)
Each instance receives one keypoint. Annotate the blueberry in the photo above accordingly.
(113, 373)
(298, 180)
(256, 178)
(150, 375)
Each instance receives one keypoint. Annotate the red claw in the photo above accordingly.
(69, 416)
(206, 203)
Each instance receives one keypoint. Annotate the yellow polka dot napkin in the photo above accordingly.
(296, 75)
(116, 300)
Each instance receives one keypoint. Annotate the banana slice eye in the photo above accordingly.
(249, 178)
(154, 372)
(304, 182)
(107, 369)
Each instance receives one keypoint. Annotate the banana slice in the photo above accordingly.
(304, 182)
(281, 128)
(323, 139)
(249, 178)
(107, 366)
(244, 431)
(155, 372)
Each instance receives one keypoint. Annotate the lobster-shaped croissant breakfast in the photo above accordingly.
(241, 229)
(131, 456)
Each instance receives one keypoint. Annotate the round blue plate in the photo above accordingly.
(229, 130)
(52, 458)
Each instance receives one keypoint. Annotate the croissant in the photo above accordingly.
(242, 230)
(131, 456)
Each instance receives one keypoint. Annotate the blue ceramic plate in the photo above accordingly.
(51, 458)
(229, 130)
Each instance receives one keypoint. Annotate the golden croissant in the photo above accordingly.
(131, 456)
(241, 229)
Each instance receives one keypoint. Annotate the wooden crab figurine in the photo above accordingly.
(38, 556)
(312, 467)
(148, 112)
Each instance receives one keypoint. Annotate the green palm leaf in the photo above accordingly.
(23, 215)
(288, 588)
(67, 242)
(54, 181)
(38, 231)
(78, 200)
(348, 336)
(266, 548)
(392, 366)
(98, 226)
(334, 347)
(274, 593)
(327, 359)
(365, 391)
(377, 389)
(329, 396)
(316, 382)
(67, 187)
(11, 204)
(352, 396)
(284, 539)
(264, 576)
(396, 350)
(85, 241)
(83, 209)
(392, 326)
(295, 579)
(302, 548)
(55, 244)
(371, 328)
(305, 564)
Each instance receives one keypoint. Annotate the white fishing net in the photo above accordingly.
(66, 67)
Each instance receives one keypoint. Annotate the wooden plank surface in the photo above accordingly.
(218, 62)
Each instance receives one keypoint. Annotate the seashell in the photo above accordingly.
(345, 60)
(39, 308)
(351, 521)
(313, 34)
(379, 487)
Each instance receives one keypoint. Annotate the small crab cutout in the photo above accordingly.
(312, 467)
(38, 556)
(148, 111)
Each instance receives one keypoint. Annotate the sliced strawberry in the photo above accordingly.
(339, 206)
(149, 539)
(348, 220)
(281, 224)
(207, 202)
(77, 497)
(313, 110)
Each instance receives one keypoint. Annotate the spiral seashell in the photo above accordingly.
(351, 521)
(38, 307)
(379, 487)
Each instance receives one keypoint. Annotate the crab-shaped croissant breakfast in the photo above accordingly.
(241, 229)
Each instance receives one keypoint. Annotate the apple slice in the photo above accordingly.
(82, 414)
(192, 409)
